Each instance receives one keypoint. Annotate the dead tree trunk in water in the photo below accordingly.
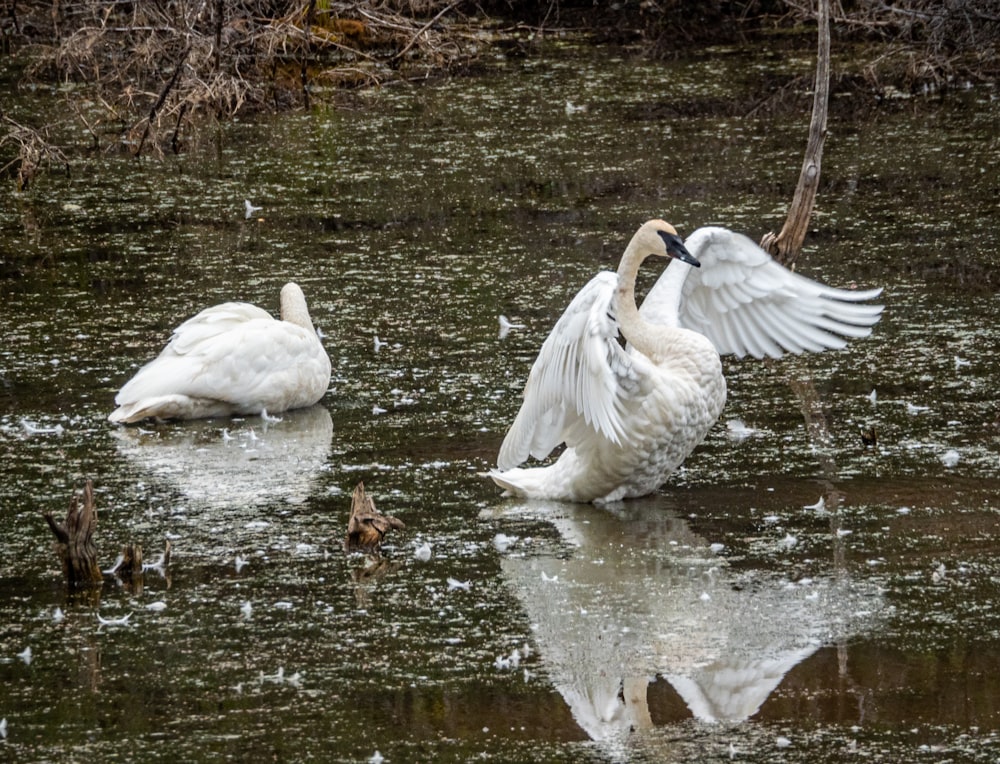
(785, 247)
(75, 540)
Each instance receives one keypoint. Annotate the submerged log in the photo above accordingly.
(74, 540)
(366, 526)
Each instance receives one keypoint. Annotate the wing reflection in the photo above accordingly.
(240, 462)
(635, 594)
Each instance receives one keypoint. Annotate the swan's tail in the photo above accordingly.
(535, 483)
(508, 481)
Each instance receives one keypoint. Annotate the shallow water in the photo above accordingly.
(726, 617)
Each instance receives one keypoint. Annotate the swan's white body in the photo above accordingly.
(629, 416)
(232, 359)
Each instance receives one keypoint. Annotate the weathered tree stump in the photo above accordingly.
(129, 565)
(366, 526)
(74, 540)
(131, 561)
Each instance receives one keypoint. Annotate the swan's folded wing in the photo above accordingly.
(580, 374)
(237, 364)
(213, 322)
(748, 304)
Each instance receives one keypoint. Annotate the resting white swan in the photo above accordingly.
(629, 416)
(232, 359)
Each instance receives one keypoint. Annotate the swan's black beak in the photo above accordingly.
(677, 250)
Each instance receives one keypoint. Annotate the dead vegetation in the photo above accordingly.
(148, 77)
(150, 73)
(33, 151)
(366, 526)
(77, 550)
(916, 44)
(74, 543)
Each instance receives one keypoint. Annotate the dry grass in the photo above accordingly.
(918, 43)
(156, 71)
(147, 76)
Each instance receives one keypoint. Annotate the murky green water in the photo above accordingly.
(865, 628)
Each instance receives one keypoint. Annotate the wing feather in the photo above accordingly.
(223, 359)
(581, 374)
(748, 304)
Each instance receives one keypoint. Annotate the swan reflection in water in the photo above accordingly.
(235, 462)
(634, 594)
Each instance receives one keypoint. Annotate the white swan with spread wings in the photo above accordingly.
(232, 359)
(629, 416)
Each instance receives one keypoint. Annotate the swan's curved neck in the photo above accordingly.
(293, 307)
(632, 326)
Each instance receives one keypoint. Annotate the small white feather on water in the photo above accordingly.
(937, 576)
(123, 621)
(277, 677)
(25, 655)
(502, 542)
(506, 325)
(31, 428)
(454, 583)
(159, 565)
(950, 458)
(249, 210)
(738, 431)
(423, 552)
(819, 506)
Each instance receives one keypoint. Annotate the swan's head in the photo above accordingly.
(661, 239)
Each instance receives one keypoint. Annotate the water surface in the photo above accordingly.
(729, 616)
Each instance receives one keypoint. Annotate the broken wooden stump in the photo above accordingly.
(129, 562)
(366, 526)
(128, 568)
(75, 540)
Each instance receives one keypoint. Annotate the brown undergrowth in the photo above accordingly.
(145, 77)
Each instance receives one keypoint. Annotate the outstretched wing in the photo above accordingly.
(582, 373)
(748, 304)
